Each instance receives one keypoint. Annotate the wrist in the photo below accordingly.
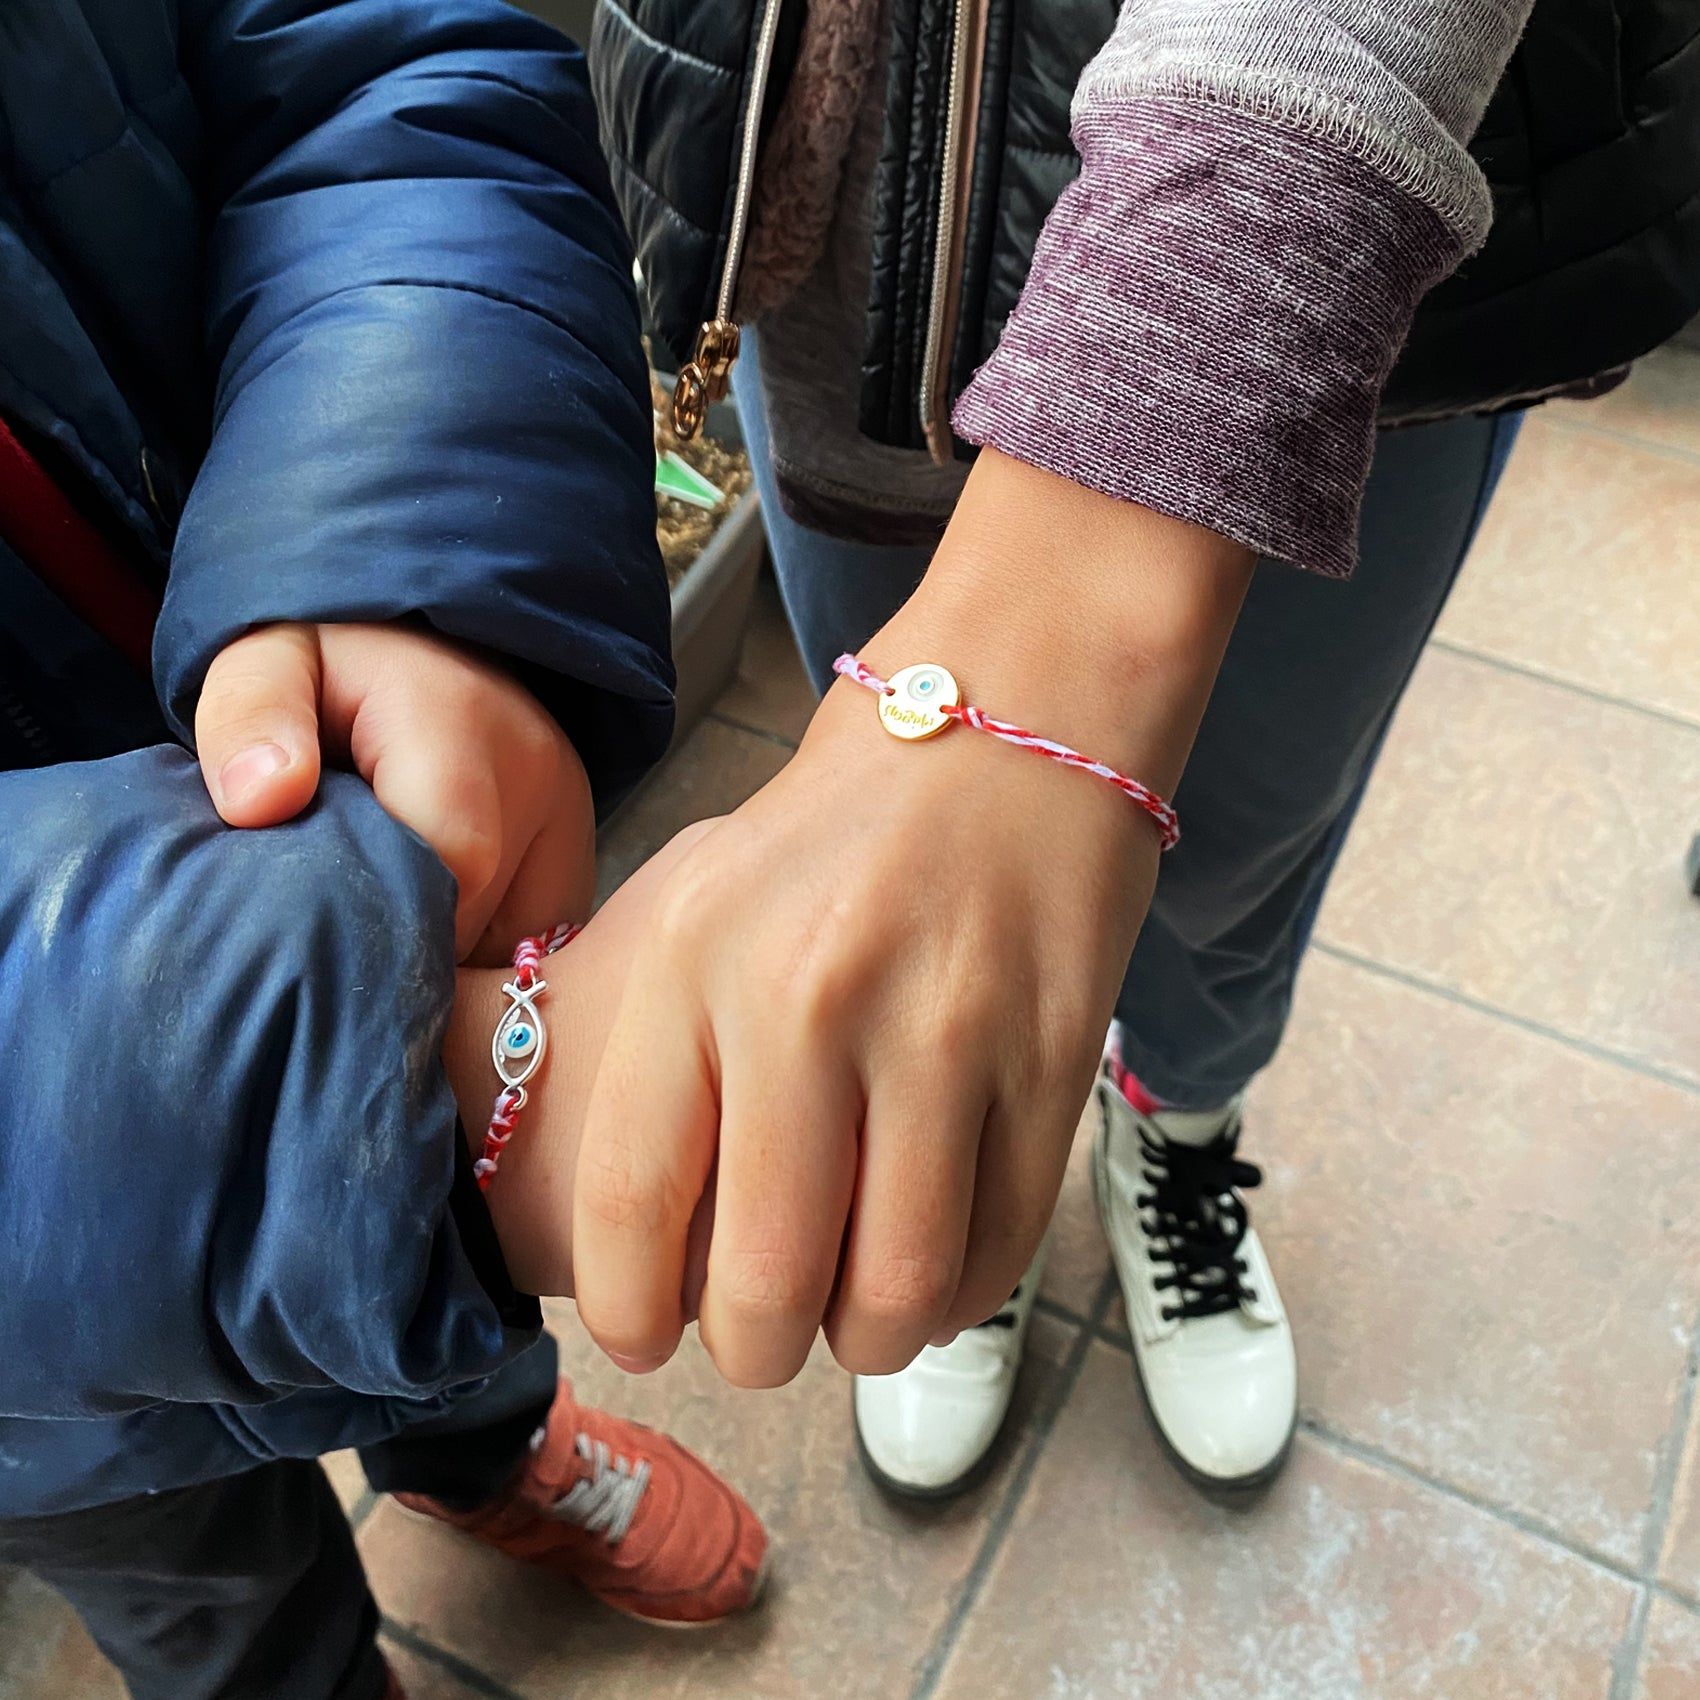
(530, 1199)
(531, 1195)
(1092, 620)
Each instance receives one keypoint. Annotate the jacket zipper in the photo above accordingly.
(24, 726)
(705, 377)
(955, 186)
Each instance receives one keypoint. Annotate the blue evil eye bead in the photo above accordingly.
(516, 1047)
(925, 685)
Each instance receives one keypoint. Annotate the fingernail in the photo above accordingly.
(245, 770)
(636, 1366)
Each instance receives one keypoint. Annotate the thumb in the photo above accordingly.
(257, 726)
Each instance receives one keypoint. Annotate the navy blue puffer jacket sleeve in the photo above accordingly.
(431, 397)
(229, 1151)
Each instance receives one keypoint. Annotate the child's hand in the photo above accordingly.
(452, 746)
(531, 1197)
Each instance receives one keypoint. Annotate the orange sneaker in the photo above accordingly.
(631, 1516)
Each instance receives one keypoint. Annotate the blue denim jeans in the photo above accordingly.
(1310, 681)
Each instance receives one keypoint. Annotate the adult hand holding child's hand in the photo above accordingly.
(869, 1003)
(452, 746)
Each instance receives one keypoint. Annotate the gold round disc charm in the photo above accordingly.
(915, 706)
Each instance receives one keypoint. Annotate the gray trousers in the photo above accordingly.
(1312, 675)
(250, 1588)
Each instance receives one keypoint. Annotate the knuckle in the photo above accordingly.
(233, 698)
(982, 1297)
(751, 1372)
(816, 999)
(905, 1289)
(688, 837)
(617, 1332)
(992, 1276)
(254, 673)
(536, 740)
(619, 1196)
(962, 1029)
(471, 849)
(859, 1353)
(825, 970)
(685, 900)
(766, 1282)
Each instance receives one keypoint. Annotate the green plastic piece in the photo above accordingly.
(677, 478)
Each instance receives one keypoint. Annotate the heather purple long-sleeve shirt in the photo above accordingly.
(1268, 188)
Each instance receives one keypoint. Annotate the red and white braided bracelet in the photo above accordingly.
(922, 700)
(518, 1045)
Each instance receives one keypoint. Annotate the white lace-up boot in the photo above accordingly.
(1211, 1341)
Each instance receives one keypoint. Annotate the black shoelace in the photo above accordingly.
(1197, 1222)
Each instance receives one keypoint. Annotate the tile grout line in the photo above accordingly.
(1450, 994)
(1538, 675)
(1003, 1517)
(721, 718)
(1059, 1312)
(1626, 1659)
(1100, 1331)
(1626, 1655)
(1690, 1603)
(1532, 1528)
(469, 1676)
(1366, 1453)
(1670, 1462)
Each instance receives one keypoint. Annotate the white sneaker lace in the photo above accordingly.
(605, 1501)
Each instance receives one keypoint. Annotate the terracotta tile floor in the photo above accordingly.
(1483, 1139)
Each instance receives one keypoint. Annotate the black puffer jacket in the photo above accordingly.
(1591, 147)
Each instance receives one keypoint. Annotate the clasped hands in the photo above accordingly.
(818, 1065)
(803, 1073)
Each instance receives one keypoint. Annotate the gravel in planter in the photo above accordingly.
(684, 530)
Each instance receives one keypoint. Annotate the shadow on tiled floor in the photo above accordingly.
(1483, 1139)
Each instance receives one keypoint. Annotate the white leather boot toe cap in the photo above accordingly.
(924, 1430)
(1226, 1415)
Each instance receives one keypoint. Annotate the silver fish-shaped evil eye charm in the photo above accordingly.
(520, 1038)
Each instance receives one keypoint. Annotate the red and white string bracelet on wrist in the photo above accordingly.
(922, 700)
(518, 1045)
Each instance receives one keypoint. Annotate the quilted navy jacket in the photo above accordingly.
(325, 310)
